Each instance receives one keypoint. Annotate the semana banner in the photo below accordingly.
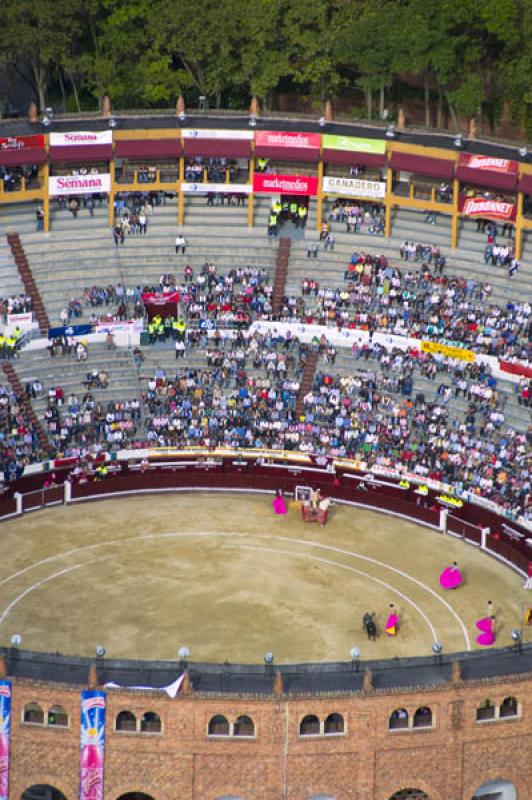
(5, 737)
(285, 184)
(92, 744)
(354, 187)
(213, 133)
(448, 351)
(77, 138)
(22, 142)
(24, 320)
(79, 184)
(125, 326)
(69, 330)
(354, 144)
(489, 163)
(160, 299)
(481, 207)
(219, 188)
(287, 139)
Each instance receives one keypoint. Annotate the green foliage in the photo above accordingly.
(473, 54)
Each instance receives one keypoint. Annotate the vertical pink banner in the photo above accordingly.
(92, 745)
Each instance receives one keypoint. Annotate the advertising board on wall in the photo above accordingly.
(287, 139)
(59, 185)
(218, 188)
(490, 163)
(21, 142)
(354, 144)
(267, 183)
(354, 187)
(487, 209)
(84, 138)
(215, 133)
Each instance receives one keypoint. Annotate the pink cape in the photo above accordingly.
(279, 505)
(450, 578)
(391, 624)
(487, 636)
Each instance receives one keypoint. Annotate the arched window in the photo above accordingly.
(423, 718)
(508, 707)
(218, 726)
(150, 723)
(42, 791)
(244, 727)
(309, 725)
(398, 719)
(486, 710)
(410, 794)
(334, 724)
(33, 714)
(58, 717)
(126, 721)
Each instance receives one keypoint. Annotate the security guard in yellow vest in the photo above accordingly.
(11, 344)
(2, 345)
(293, 211)
(272, 223)
(302, 213)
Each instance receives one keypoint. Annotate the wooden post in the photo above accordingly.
(454, 225)
(111, 206)
(251, 196)
(180, 197)
(388, 204)
(319, 209)
(46, 197)
(519, 225)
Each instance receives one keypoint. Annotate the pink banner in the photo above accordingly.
(488, 209)
(502, 165)
(5, 736)
(92, 745)
(160, 299)
(287, 139)
(266, 183)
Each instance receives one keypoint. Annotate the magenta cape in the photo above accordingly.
(391, 624)
(451, 578)
(279, 505)
(487, 636)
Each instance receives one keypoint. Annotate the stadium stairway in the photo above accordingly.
(307, 379)
(29, 283)
(14, 380)
(281, 271)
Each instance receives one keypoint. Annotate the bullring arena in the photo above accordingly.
(167, 631)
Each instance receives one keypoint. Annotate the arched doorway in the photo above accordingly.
(410, 794)
(135, 796)
(496, 790)
(42, 791)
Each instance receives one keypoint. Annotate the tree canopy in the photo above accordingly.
(466, 57)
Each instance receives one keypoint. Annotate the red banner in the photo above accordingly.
(160, 299)
(501, 165)
(267, 183)
(516, 368)
(288, 139)
(22, 142)
(487, 209)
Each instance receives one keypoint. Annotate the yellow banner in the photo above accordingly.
(447, 351)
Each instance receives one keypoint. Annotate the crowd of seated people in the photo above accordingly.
(358, 217)
(19, 442)
(78, 425)
(217, 169)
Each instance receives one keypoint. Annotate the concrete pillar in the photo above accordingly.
(319, 209)
(251, 196)
(519, 226)
(180, 196)
(18, 499)
(454, 224)
(67, 486)
(484, 533)
(443, 520)
(388, 204)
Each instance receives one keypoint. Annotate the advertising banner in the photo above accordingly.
(22, 142)
(84, 138)
(24, 320)
(490, 209)
(219, 188)
(92, 744)
(125, 326)
(287, 139)
(69, 330)
(79, 184)
(265, 183)
(354, 144)
(160, 299)
(490, 163)
(213, 133)
(354, 187)
(5, 736)
(447, 350)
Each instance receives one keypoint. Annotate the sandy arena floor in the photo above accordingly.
(222, 575)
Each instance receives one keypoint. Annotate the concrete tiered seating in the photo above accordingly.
(10, 282)
(69, 374)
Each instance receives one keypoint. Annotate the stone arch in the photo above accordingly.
(135, 796)
(409, 783)
(29, 788)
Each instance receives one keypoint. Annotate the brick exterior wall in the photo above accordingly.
(368, 762)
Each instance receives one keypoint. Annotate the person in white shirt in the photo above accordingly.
(180, 243)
